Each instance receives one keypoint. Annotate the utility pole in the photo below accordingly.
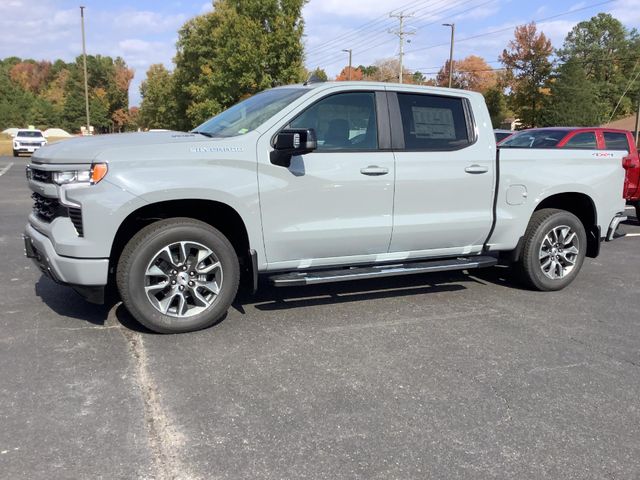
(349, 51)
(401, 32)
(453, 33)
(84, 59)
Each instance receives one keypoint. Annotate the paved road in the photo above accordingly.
(441, 376)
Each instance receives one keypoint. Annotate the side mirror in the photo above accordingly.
(292, 142)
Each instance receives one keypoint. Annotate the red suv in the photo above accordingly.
(591, 139)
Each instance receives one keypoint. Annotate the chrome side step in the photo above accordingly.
(379, 271)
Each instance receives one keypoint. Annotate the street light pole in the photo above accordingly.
(84, 60)
(349, 51)
(453, 33)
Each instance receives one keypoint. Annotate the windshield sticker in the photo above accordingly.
(208, 149)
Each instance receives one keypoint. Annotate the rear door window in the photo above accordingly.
(433, 123)
(584, 140)
(616, 141)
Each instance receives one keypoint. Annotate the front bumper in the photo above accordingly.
(27, 148)
(88, 276)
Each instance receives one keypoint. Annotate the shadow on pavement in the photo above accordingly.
(269, 298)
(65, 302)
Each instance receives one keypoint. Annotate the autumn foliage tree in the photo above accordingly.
(350, 73)
(528, 71)
(470, 73)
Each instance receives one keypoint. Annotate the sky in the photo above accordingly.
(144, 32)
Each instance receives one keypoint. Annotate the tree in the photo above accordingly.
(318, 75)
(608, 53)
(386, 70)
(241, 48)
(350, 73)
(368, 71)
(418, 78)
(470, 73)
(528, 71)
(497, 105)
(158, 106)
(573, 100)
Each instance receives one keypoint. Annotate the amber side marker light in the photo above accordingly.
(98, 172)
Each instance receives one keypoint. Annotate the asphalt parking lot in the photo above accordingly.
(440, 376)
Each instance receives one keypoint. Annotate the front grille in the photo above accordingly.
(42, 176)
(75, 214)
(30, 144)
(48, 209)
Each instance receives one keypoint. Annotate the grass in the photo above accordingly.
(7, 149)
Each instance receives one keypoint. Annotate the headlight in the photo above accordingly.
(91, 176)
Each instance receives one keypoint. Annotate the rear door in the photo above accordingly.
(620, 141)
(444, 175)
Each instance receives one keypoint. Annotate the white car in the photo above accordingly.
(28, 141)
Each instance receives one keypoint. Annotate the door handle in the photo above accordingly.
(374, 170)
(476, 169)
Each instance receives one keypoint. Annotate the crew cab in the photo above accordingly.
(589, 139)
(309, 184)
(27, 141)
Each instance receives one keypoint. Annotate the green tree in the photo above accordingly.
(528, 71)
(158, 106)
(241, 48)
(573, 100)
(497, 104)
(608, 53)
(318, 75)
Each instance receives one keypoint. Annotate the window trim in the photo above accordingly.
(397, 127)
(377, 103)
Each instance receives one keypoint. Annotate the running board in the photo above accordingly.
(359, 273)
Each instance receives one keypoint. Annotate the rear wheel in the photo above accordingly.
(637, 205)
(178, 275)
(555, 245)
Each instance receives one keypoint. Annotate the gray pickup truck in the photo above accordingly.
(307, 184)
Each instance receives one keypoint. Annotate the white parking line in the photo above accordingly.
(6, 169)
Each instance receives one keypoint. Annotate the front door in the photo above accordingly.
(335, 202)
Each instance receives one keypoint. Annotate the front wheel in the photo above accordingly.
(178, 275)
(16, 153)
(555, 245)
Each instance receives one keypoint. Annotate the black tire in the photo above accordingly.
(637, 205)
(141, 249)
(16, 153)
(530, 267)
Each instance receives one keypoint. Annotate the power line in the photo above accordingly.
(366, 26)
(401, 32)
(493, 32)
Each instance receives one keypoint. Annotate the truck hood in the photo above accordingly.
(87, 149)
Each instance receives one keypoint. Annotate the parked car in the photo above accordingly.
(591, 139)
(28, 141)
(309, 184)
(502, 134)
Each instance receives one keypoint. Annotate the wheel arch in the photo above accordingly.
(217, 214)
(582, 206)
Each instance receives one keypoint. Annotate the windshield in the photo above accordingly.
(534, 139)
(250, 113)
(29, 133)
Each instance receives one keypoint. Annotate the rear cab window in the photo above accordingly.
(616, 141)
(583, 141)
(434, 123)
